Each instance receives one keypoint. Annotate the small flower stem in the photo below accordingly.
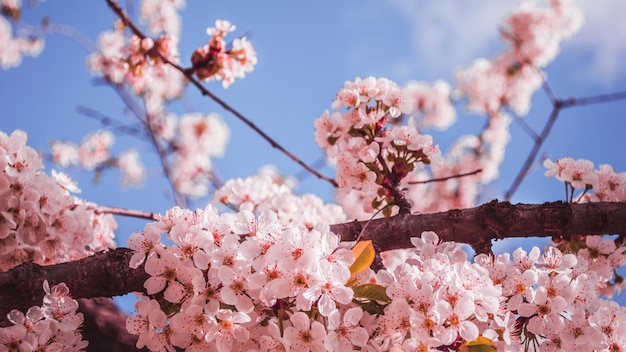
(441, 179)
(101, 209)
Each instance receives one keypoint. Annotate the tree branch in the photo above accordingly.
(533, 153)
(205, 92)
(104, 274)
(441, 179)
(557, 106)
(493, 221)
(105, 327)
(108, 274)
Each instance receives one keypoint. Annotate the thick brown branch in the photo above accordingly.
(108, 274)
(493, 221)
(101, 275)
(105, 326)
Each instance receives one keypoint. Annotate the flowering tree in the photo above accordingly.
(262, 268)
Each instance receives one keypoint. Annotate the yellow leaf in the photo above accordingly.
(364, 255)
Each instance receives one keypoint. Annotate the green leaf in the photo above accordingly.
(372, 292)
(372, 307)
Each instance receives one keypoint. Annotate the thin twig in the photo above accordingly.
(529, 130)
(533, 153)
(62, 29)
(596, 99)
(189, 75)
(558, 104)
(440, 179)
(302, 174)
(111, 122)
(143, 117)
(101, 209)
(548, 90)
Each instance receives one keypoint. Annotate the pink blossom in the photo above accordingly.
(94, 149)
(351, 175)
(344, 334)
(432, 102)
(576, 172)
(235, 284)
(147, 324)
(193, 320)
(305, 335)
(607, 184)
(228, 329)
(162, 269)
(64, 154)
(544, 312)
(65, 181)
(133, 172)
(13, 48)
(214, 61)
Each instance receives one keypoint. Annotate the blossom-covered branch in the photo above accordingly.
(108, 274)
(493, 221)
(104, 274)
(189, 75)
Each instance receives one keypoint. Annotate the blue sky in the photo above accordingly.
(306, 51)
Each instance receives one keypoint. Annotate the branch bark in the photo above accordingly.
(104, 274)
(108, 274)
(492, 221)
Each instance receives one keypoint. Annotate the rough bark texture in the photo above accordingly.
(492, 221)
(104, 274)
(105, 326)
(108, 274)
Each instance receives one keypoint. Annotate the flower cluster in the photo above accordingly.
(437, 299)
(553, 299)
(534, 34)
(11, 9)
(13, 48)
(215, 61)
(161, 17)
(52, 327)
(373, 155)
(243, 282)
(188, 143)
(491, 87)
(40, 220)
(432, 102)
(231, 282)
(607, 185)
(93, 153)
(138, 62)
(269, 191)
(200, 138)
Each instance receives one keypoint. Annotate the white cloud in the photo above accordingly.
(603, 39)
(450, 34)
